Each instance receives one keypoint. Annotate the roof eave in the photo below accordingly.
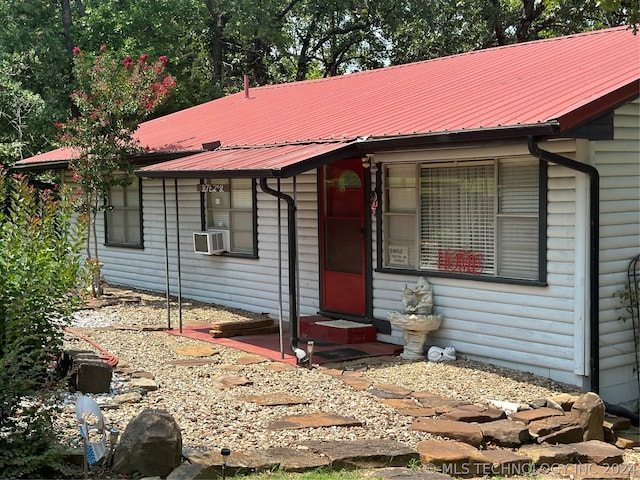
(600, 106)
(400, 142)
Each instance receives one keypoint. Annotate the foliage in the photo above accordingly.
(211, 44)
(113, 97)
(20, 110)
(40, 268)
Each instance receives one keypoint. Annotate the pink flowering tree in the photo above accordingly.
(113, 96)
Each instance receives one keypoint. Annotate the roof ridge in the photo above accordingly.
(440, 59)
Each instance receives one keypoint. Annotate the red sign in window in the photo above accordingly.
(460, 261)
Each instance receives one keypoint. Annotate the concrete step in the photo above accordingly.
(319, 328)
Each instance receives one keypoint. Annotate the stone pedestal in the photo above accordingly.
(416, 328)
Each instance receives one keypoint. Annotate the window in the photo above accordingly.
(231, 206)
(476, 218)
(123, 215)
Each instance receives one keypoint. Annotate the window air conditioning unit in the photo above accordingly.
(212, 242)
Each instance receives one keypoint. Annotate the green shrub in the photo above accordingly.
(40, 269)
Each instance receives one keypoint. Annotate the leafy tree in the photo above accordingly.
(19, 112)
(113, 97)
(40, 268)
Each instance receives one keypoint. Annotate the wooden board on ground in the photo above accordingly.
(241, 325)
(244, 331)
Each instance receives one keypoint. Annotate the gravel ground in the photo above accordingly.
(212, 417)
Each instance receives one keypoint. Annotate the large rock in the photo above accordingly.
(150, 445)
(462, 431)
(87, 372)
(588, 413)
(505, 433)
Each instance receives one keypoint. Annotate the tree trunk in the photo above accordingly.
(66, 24)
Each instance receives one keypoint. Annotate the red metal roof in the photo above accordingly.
(560, 82)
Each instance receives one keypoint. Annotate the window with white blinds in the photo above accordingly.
(471, 217)
(231, 206)
(123, 216)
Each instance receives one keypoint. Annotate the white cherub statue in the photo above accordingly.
(418, 301)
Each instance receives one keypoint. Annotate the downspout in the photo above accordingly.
(594, 250)
(291, 229)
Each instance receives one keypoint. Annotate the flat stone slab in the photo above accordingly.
(208, 465)
(441, 404)
(505, 433)
(505, 463)
(545, 455)
(357, 383)
(400, 402)
(527, 416)
(590, 471)
(417, 411)
(314, 420)
(146, 384)
(453, 458)
(402, 473)
(275, 399)
(364, 453)
(596, 451)
(197, 351)
(250, 360)
(474, 413)
(462, 431)
(229, 381)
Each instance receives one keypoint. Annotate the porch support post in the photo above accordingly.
(166, 252)
(292, 255)
(175, 183)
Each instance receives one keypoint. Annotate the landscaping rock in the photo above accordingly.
(314, 420)
(462, 431)
(588, 413)
(441, 404)
(506, 463)
(86, 371)
(590, 471)
(150, 445)
(144, 384)
(452, 458)
(546, 455)
(474, 413)
(569, 434)
(505, 433)
(364, 453)
(595, 451)
(528, 416)
(403, 473)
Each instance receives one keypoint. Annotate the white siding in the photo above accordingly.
(527, 327)
(236, 282)
(541, 329)
(618, 162)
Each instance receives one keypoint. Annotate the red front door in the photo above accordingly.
(342, 237)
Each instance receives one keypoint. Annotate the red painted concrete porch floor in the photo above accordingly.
(269, 346)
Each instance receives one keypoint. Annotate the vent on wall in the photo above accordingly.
(212, 242)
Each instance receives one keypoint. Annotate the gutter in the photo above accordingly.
(594, 250)
(292, 254)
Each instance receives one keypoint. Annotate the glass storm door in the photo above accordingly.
(342, 237)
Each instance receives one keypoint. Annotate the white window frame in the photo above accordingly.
(501, 242)
(131, 235)
(225, 205)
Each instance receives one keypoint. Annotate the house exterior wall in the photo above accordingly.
(247, 283)
(619, 166)
(526, 327)
(539, 329)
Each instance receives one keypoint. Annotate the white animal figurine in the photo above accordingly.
(437, 354)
